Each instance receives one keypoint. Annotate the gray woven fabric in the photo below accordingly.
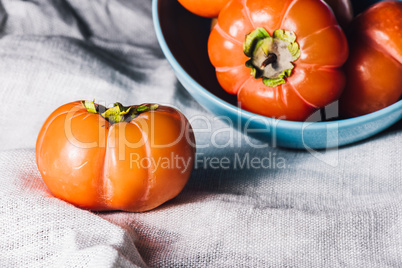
(337, 208)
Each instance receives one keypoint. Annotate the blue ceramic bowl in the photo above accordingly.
(183, 39)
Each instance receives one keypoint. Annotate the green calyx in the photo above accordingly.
(271, 57)
(252, 39)
(118, 113)
(90, 106)
(289, 37)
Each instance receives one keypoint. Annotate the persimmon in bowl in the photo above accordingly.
(183, 38)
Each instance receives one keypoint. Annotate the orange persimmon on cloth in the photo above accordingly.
(123, 158)
(283, 59)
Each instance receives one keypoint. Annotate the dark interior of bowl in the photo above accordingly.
(186, 35)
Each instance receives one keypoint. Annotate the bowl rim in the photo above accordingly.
(342, 123)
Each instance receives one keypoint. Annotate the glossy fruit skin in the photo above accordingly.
(86, 161)
(210, 8)
(317, 78)
(204, 8)
(374, 68)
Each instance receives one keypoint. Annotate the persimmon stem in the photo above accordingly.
(271, 58)
(118, 113)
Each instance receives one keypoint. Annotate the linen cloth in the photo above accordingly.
(332, 208)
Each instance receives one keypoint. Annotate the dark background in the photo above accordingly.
(359, 5)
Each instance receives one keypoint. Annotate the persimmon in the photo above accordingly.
(204, 8)
(374, 68)
(211, 8)
(131, 158)
(283, 59)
